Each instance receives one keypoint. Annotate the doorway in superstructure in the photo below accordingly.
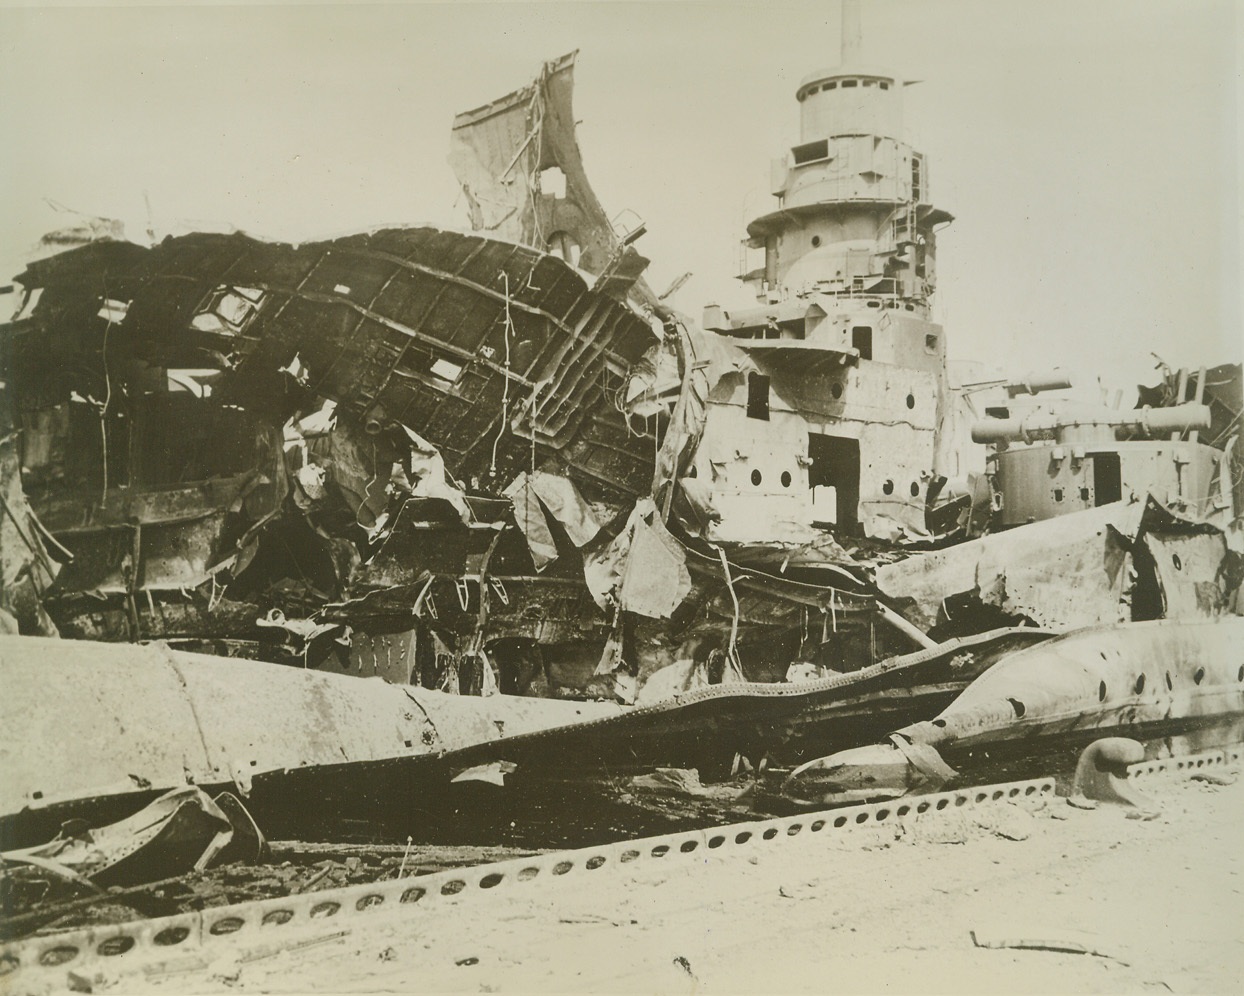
(1107, 477)
(834, 477)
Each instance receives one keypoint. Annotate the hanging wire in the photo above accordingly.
(103, 412)
(505, 391)
(375, 474)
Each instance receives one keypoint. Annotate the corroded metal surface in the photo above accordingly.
(1103, 565)
(1178, 681)
(132, 720)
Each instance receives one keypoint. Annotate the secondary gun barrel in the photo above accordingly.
(1051, 425)
(1035, 382)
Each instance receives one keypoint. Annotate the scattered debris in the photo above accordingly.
(982, 939)
(1101, 775)
(184, 829)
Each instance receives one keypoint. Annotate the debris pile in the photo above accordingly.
(496, 469)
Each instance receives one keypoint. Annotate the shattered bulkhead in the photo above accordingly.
(396, 450)
(218, 425)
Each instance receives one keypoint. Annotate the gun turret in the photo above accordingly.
(1093, 427)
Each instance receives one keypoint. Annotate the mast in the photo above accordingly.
(851, 37)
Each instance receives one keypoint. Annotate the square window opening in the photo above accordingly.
(758, 396)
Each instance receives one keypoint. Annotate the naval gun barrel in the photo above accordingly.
(1051, 425)
(1034, 382)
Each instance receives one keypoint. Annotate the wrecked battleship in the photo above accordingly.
(562, 527)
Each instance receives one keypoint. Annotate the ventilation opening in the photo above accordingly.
(1107, 478)
(834, 477)
(758, 396)
(811, 152)
(862, 340)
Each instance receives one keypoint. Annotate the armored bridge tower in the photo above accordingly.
(842, 328)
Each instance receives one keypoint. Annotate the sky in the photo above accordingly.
(1090, 150)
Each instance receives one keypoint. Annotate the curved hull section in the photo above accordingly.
(1157, 682)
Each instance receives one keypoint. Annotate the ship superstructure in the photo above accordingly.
(850, 398)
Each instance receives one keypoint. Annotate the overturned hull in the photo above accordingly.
(147, 719)
(132, 722)
(1175, 685)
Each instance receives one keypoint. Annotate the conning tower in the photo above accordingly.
(853, 213)
(842, 329)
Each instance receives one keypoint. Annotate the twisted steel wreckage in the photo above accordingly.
(566, 525)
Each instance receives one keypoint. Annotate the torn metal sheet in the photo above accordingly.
(182, 830)
(536, 493)
(1103, 565)
(565, 504)
(656, 579)
(642, 569)
(27, 570)
(529, 516)
(519, 165)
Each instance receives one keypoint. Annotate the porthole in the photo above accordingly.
(911, 401)
(915, 489)
(816, 241)
(786, 478)
(888, 488)
(1101, 692)
(1140, 683)
(756, 478)
(227, 925)
(836, 390)
(171, 935)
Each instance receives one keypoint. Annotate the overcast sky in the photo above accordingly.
(1089, 149)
